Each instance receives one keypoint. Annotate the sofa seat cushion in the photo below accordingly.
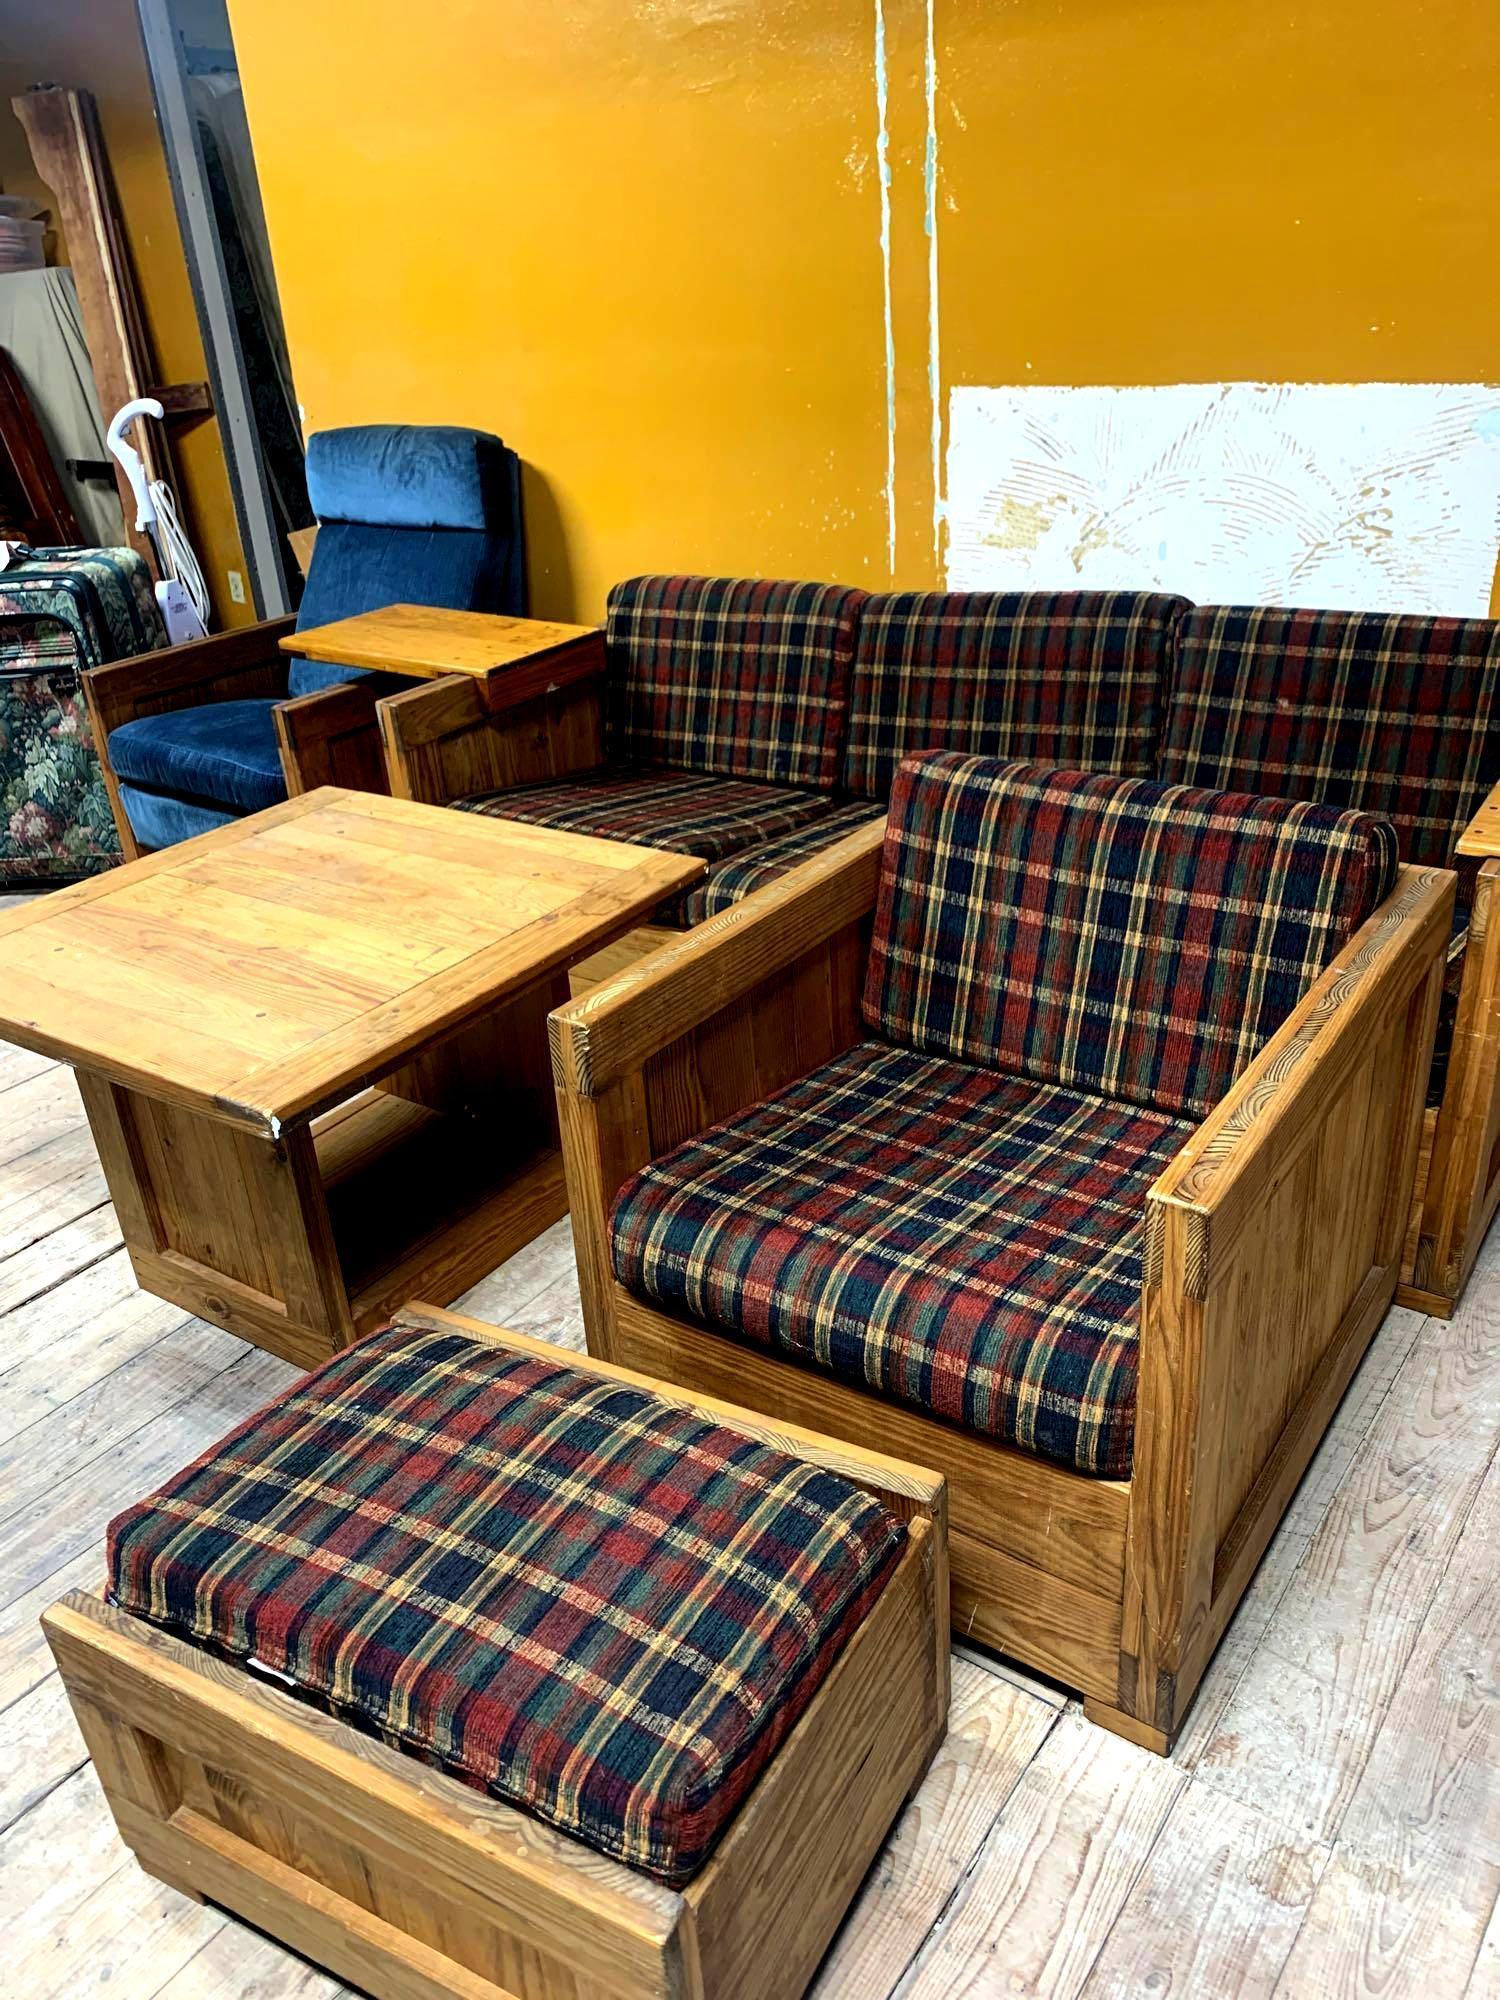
(729, 882)
(566, 1592)
(739, 675)
(1386, 712)
(687, 812)
(967, 1243)
(1070, 677)
(223, 754)
(157, 819)
(1139, 940)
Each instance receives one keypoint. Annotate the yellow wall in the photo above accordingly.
(97, 47)
(643, 240)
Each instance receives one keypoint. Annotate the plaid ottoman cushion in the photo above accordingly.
(731, 881)
(564, 1591)
(687, 811)
(727, 674)
(1141, 940)
(1390, 714)
(966, 1243)
(1065, 677)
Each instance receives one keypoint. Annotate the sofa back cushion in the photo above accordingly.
(1118, 936)
(409, 514)
(1388, 713)
(738, 676)
(1064, 677)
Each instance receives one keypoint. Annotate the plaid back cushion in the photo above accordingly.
(1138, 940)
(1389, 714)
(1065, 677)
(747, 678)
(565, 1591)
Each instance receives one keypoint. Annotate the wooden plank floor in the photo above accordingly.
(1330, 1824)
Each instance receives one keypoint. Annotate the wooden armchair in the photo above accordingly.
(330, 737)
(1263, 1257)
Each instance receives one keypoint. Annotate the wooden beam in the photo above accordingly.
(67, 149)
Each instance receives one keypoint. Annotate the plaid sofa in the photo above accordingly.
(756, 724)
(563, 1591)
(1067, 972)
(1390, 713)
(1061, 677)
(726, 703)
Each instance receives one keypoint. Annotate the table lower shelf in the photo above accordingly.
(304, 1243)
(425, 1203)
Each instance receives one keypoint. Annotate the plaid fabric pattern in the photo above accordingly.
(731, 881)
(747, 678)
(1140, 940)
(966, 1243)
(564, 1591)
(685, 811)
(1389, 714)
(1066, 677)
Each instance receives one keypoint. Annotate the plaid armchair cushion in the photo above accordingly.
(1389, 714)
(1066, 677)
(685, 811)
(1140, 940)
(966, 1243)
(729, 882)
(565, 1592)
(746, 678)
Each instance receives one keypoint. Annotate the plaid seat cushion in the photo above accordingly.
(743, 677)
(687, 811)
(1065, 677)
(564, 1591)
(1389, 714)
(729, 882)
(966, 1243)
(1139, 940)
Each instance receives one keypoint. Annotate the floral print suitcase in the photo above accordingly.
(61, 612)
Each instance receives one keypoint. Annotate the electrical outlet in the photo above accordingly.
(236, 586)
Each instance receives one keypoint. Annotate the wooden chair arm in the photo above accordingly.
(332, 737)
(1247, 1141)
(227, 665)
(444, 741)
(1481, 837)
(621, 1023)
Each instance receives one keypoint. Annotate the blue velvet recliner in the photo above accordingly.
(408, 514)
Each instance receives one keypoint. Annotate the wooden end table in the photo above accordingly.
(505, 656)
(312, 1048)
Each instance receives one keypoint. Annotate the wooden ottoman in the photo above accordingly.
(600, 1688)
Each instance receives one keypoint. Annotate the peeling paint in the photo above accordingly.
(934, 343)
(883, 161)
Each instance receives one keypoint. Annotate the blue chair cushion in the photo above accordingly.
(359, 568)
(159, 821)
(409, 476)
(223, 754)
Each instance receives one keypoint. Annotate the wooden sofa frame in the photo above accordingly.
(1460, 1190)
(331, 737)
(1272, 1249)
(412, 1886)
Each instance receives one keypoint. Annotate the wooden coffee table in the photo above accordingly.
(312, 1048)
(510, 659)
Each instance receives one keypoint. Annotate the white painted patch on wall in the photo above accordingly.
(1374, 495)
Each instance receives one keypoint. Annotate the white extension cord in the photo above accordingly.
(178, 557)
